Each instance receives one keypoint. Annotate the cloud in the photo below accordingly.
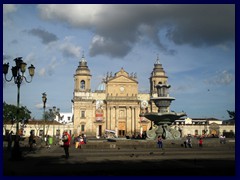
(42, 72)
(102, 45)
(6, 57)
(70, 50)
(50, 68)
(7, 10)
(222, 78)
(117, 28)
(44, 35)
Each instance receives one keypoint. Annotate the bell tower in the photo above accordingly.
(158, 76)
(82, 78)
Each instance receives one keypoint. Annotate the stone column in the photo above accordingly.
(107, 117)
(110, 117)
(132, 120)
(135, 119)
(116, 116)
(126, 124)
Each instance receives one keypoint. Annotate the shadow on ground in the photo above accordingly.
(59, 166)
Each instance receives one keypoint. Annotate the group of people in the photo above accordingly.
(79, 140)
(222, 139)
(187, 142)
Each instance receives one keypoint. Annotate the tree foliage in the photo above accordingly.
(10, 112)
(49, 116)
(231, 114)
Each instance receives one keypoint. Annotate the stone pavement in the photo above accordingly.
(142, 158)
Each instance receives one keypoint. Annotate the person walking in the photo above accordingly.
(66, 138)
(77, 142)
(31, 141)
(160, 142)
(84, 138)
(10, 140)
(189, 142)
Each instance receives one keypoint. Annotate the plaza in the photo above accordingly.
(128, 158)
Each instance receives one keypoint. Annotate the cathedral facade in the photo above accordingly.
(116, 105)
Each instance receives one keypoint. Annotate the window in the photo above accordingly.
(82, 127)
(196, 132)
(82, 85)
(69, 118)
(41, 133)
(121, 114)
(82, 114)
(58, 132)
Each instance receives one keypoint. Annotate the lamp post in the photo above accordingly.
(44, 100)
(18, 77)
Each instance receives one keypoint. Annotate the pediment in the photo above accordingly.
(122, 79)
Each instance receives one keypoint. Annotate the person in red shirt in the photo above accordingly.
(66, 143)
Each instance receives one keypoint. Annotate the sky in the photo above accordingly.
(195, 44)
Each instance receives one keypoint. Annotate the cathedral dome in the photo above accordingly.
(101, 87)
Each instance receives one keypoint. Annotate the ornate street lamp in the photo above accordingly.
(18, 77)
(44, 100)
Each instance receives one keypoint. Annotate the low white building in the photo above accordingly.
(203, 126)
(52, 128)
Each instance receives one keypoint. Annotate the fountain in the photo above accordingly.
(163, 118)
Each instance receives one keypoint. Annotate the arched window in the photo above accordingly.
(82, 85)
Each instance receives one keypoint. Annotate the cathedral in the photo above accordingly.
(116, 105)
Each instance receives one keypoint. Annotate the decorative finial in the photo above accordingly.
(83, 54)
(157, 61)
(83, 58)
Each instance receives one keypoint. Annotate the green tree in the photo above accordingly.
(10, 112)
(49, 116)
(231, 114)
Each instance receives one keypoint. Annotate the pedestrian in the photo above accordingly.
(10, 140)
(200, 142)
(81, 141)
(160, 142)
(189, 142)
(84, 138)
(77, 142)
(66, 138)
(31, 141)
(185, 143)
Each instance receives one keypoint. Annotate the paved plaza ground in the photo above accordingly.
(126, 158)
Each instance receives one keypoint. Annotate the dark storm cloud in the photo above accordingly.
(109, 47)
(118, 28)
(45, 36)
(199, 25)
